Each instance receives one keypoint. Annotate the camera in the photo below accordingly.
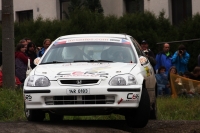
(180, 51)
(146, 52)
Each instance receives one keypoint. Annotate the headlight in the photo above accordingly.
(123, 80)
(38, 81)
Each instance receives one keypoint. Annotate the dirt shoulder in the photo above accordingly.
(106, 126)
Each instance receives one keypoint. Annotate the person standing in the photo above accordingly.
(31, 53)
(149, 54)
(164, 58)
(180, 59)
(46, 44)
(21, 62)
(24, 42)
(145, 48)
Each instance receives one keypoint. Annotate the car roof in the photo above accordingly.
(94, 35)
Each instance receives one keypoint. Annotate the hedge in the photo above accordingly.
(140, 25)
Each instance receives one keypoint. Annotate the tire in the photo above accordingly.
(34, 114)
(138, 118)
(55, 117)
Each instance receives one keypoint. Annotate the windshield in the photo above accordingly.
(97, 51)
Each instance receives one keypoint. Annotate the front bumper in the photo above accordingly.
(58, 97)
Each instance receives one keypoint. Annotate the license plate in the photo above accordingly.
(78, 91)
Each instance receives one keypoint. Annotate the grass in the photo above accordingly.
(11, 105)
(11, 108)
(181, 108)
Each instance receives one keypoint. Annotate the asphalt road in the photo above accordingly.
(82, 126)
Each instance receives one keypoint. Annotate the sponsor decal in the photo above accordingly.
(115, 40)
(132, 96)
(124, 41)
(87, 64)
(147, 71)
(97, 39)
(120, 100)
(87, 40)
(28, 98)
(60, 42)
(79, 73)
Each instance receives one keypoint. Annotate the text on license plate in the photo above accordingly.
(78, 91)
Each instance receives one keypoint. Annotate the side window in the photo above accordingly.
(137, 47)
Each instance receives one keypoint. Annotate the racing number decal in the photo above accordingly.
(28, 97)
(147, 71)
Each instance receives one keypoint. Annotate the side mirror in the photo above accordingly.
(36, 61)
(143, 60)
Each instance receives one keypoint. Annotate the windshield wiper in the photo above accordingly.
(54, 62)
(101, 61)
(92, 61)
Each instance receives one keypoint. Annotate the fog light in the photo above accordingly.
(110, 99)
(49, 100)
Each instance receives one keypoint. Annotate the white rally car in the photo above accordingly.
(92, 74)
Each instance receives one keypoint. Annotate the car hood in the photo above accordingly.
(83, 70)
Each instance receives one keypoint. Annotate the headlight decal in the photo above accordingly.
(38, 81)
(118, 81)
(123, 80)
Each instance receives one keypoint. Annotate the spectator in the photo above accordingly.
(177, 82)
(145, 47)
(187, 74)
(172, 70)
(164, 58)
(24, 42)
(195, 75)
(46, 44)
(21, 61)
(27, 39)
(199, 60)
(31, 53)
(162, 82)
(17, 81)
(180, 59)
(148, 53)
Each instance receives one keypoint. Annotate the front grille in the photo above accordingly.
(91, 81)
(85, 99)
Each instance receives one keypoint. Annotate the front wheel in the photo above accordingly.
(34, 114)
(138, 118)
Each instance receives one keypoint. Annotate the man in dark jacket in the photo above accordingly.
(150, 55)
(145, 48)
(163, 58)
